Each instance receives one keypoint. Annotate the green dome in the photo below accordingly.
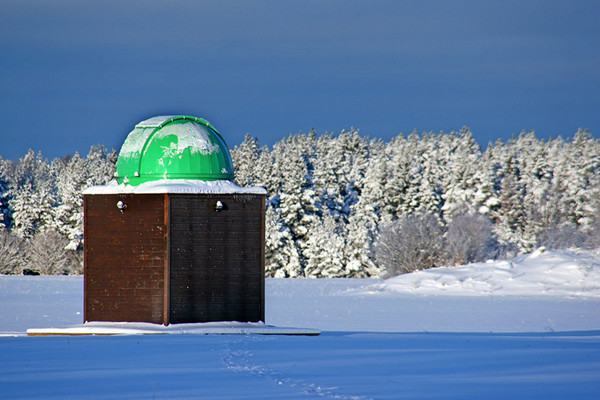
(174, 147)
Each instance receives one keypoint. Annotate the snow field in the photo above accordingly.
(409, 337)
(331, 366)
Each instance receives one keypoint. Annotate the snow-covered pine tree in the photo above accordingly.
(339, 170)
(365, 216)
(414, 176)
(552, 216)
(292, 159)
(266, 176)
(100, 165)
(416, 188)
(354, 154)
(365, 212)
(511, 217)
(361, 233)
(71, 180)
(33, 195)
(73, 175)
(425, 190)
(583, 187)
(281, 255)
(464, 182)
(536, 174)
(245, 159)
(5, 211)
(325, 250)
(325, 176)
(488, 183)
(397, 161)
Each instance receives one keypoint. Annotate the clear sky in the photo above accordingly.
(75, 73)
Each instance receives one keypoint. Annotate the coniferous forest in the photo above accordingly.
(345, 205)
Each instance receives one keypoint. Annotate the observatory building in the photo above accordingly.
(172, 239)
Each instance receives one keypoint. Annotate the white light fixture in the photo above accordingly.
(121, 206)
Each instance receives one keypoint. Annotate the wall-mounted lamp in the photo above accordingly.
(219, 206)
(121, 206)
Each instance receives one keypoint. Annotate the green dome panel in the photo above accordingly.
(174, 147)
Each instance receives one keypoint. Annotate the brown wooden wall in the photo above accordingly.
(217, 258)
(174, 258)
(125, 258)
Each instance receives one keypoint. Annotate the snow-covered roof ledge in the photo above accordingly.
(187, 186)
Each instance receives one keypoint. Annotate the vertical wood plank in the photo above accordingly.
(167, 272)
(85, 261)
(263, 205)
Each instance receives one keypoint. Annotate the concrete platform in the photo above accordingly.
(144, 328)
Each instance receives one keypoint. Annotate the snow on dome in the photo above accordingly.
(188, 186)
(173, 147)
(154, 122)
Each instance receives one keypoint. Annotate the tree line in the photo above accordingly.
(41, 210)
(349, 206)
(346, 205)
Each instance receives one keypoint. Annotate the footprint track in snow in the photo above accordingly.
(239, 360)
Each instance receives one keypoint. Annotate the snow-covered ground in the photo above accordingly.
(524, 329)
(541, 273)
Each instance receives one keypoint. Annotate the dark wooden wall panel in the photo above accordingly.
(217, 258)
(125, 256)
(174, 258)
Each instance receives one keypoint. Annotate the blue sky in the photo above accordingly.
(78, 73)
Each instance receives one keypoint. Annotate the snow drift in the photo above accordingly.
(541, 273)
